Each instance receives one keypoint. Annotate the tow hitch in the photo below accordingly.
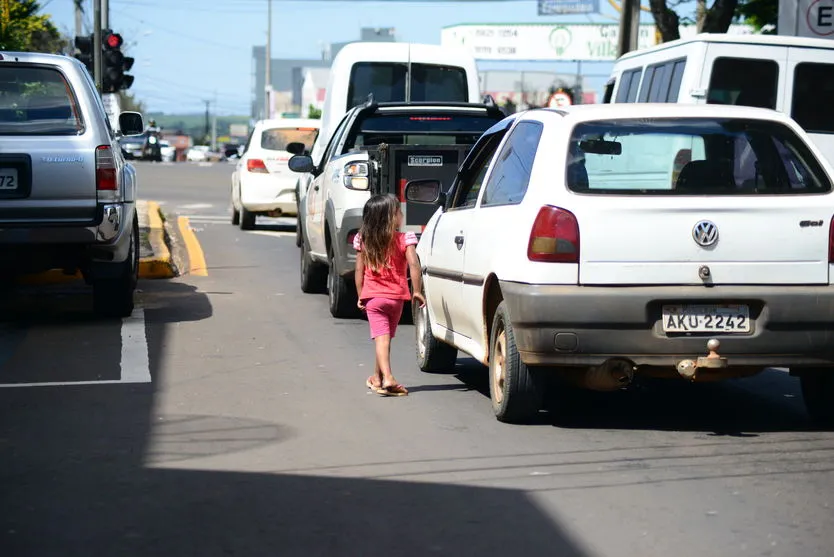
(688, 369)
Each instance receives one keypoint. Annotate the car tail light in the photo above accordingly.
(554, 237)
(106, 171)
(257, 166)
(831, 241)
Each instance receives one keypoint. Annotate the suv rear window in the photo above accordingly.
(693, 156)
(386, 80)
(277, 139)
(424, 128)
(811, 83)
(37, 100)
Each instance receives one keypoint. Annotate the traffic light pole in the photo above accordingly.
(97, 47)
(105, 14)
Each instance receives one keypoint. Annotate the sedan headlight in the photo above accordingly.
(356, 175)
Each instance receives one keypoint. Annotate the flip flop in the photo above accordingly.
(373, 387)
(393, 390)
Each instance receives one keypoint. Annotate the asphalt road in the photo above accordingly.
(229, 416)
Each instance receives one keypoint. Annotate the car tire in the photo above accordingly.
(235, 212)
(313, 279)
(341, 294)
(515, 389)
(247, 219)
(113, 297)
(818, 394)
(433, 355)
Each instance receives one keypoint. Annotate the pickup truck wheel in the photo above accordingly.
(312, 277)
(514, 388)
(247, 219)
(432, 355)
(818, 393)
(113, 297)
(341, 295)
(235, 212)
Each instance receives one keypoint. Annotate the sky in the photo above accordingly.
(191, 51)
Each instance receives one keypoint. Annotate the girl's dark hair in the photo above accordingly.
(379, 223)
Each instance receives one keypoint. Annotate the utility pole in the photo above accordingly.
(207, 119)
(79, 17)
(268, 61)
(97, 57)
(629, 27)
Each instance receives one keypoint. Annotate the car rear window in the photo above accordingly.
(386, 80)
(277, 139)
(693, 156)
(419, 129)
(37, 100)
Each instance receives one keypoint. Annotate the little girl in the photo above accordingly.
(383, 253)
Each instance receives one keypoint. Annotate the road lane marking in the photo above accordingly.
(273, 233)
(196, 259)
(135, 364)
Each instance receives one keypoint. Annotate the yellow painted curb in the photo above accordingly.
(196, 259)
(159, 265)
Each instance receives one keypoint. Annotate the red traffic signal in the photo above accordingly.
(113, 40)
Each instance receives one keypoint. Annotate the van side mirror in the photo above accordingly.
(301, 163)
(130, 123)
(429, 192)
(296, 148)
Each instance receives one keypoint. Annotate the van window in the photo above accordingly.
(629, 84)
(677, 78)
(387, 80)
(692, 156)
(648, 81)
(609, 91)
(744, 81)
(813, 89)
(37, 101)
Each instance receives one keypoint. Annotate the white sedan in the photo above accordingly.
(600, 242)
(262, 183)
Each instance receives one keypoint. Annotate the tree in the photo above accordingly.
(128, 101)
(714, 19)
(27, 31)
(759, 14)
(314, 112)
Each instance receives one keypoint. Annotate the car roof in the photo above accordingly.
(763, 40)
(661, 110)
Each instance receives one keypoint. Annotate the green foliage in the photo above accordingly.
(759, 13)
(314, 112)
(27, 31)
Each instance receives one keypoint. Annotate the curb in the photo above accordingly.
(160, 265)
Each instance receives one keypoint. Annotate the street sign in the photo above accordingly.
(560, 7)
(807, 18)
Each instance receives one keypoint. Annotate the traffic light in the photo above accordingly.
(84, 45)
(114, 63)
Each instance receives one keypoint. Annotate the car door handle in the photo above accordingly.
(316, 188)
(459, 240)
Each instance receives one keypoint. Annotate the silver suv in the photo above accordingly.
(67, 196)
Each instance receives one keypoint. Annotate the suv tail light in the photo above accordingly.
(831, 241)
(554, 237)
(257, 166)
(106, 172)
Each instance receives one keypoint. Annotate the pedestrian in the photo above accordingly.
(383, 256)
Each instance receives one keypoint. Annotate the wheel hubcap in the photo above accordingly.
(499, 369)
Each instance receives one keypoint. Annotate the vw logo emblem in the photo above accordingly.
(705, 233)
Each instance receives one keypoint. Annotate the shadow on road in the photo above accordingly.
(94, 470)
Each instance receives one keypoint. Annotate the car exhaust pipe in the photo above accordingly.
(612, 375)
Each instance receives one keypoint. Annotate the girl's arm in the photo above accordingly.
(359, 278)
(416, 277)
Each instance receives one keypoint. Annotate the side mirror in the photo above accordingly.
(301, 163)
(296, 148)
(130, 123)
(424, 191)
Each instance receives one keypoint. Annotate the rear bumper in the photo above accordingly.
(265, 193)
(33, 248)
(574, 325)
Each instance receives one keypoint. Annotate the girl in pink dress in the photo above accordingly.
(383, 254)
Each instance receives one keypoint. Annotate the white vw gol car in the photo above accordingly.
(599, 242)
(262, 183)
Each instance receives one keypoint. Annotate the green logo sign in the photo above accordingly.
(560, 39)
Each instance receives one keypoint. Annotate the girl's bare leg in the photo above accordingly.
(383, 360)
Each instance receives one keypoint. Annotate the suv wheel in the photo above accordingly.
(341, 294)
(818, 393)
(113, 297)
(514, 388)
(432, 354)
(312, 277)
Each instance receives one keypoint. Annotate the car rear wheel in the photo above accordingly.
(247, 219)
(113, 297)
(432, 355)
(818, 393)
(515, 388)
(235, 212)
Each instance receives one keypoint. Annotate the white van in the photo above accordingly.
(395, 72)
(793, 75)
